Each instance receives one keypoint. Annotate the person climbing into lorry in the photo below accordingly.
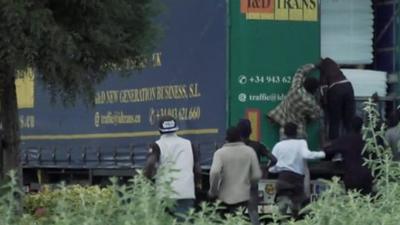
(180, 158)
(244, 127)
(337, 98)
(357, 175)
(234, 167)
(300, 104)
(291, 154)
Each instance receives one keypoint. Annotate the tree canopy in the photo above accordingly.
(71, 44)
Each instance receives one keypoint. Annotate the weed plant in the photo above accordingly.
(140, 202)
(337, 207)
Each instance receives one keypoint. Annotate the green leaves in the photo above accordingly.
(337, 207)
(138, 202)
(69, 42)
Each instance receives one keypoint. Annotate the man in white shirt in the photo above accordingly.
(291, 154)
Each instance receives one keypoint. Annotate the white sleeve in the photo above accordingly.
(307, 154)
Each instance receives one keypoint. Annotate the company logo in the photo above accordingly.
(292, 10)
(257, 6)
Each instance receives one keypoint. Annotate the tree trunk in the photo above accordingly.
(10, 124)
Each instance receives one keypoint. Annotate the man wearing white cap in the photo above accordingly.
(177, 155)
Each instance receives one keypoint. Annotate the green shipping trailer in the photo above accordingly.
(268, 40)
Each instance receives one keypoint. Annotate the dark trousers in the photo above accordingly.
(359, 180)
(232, 208)
(181, 208)
(341, 108)
(290, 192)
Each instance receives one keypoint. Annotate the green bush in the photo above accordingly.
(337, 207)
(140, 203)
(47, 199)
(137, 203)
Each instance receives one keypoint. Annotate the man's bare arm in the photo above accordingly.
(153, 157)
(196, 166)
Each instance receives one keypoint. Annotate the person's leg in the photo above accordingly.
(297, 199)
(283, 202)
(334, 111)
(253, 204)
(232, 208)
(349, 107)
(182, 207)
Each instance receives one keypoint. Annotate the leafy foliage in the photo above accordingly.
(47, 199)
(141, 202)
(337, 207)
(72, 44)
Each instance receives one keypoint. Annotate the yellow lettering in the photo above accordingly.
(182, 113)
(194, 91)
(296, 10)
(116, 118)
(148, 94)
(157, 59)
(27, 121)
(25, 89)
(311, 12)
(281, 12)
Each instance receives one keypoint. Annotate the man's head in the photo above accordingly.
(167, 124)
(244, 127)
(356, 124)
(330, 71)
(290, 130)
(311, 84)
(233, 135)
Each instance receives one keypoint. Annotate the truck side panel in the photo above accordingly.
(184, 77)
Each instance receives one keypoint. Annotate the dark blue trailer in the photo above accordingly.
(184, 77)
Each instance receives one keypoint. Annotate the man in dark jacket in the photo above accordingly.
(244, 126)
(337, 98)
(356, 175)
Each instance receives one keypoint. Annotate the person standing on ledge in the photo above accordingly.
(337, 98)
(357, 175)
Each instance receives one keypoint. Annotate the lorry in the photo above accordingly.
(184, 77)
(217, 61)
